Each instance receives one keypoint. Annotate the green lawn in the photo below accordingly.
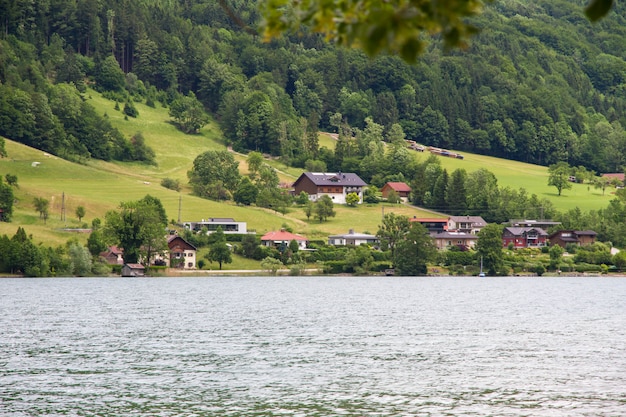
(100, 186)
(533, 178)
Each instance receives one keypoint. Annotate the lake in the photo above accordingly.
(313, 346)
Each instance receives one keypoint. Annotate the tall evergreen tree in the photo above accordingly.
(456, 194)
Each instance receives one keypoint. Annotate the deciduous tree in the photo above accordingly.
(392, 230)
(188, 113)
(414, 250)
(137, 228)
(324, 208)
(218, 250)
(559, 176)
(41, 205)
(80, 212)
(246, 192)
(212, 169)
(489, 248)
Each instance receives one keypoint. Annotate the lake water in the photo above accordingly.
(313, 346)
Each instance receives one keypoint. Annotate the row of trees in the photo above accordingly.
(20, 255)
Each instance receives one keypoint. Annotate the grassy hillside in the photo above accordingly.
(100, 186)
(534, 179)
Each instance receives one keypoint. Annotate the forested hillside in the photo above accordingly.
(539, 84)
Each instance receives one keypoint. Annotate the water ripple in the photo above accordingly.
(313, 346)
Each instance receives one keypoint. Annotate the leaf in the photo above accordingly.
(597, 9)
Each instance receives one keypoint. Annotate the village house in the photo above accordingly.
(282, 238)
(462, 240)
(402, 189)
(181, 254)
(228, 225)
(335, 185)
(618, 176)
(433, 225)
(113, 255)
(576, 237)
(524, 237)
(353, 239)
(467, 224)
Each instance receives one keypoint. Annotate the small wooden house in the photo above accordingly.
(576, 237)
(133, 270)
(401, 188)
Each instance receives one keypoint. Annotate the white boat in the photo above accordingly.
(481, 273)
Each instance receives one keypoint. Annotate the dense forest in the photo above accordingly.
(539, 83)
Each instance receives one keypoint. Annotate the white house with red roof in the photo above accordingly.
(283, 237)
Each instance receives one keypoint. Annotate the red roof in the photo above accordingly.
(282, 236)
(114, 250)
(398, 186)
(618, 175)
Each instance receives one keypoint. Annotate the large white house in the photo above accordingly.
(336, 185)
(353, 239)
(228, 225)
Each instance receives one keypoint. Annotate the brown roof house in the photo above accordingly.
(133, 270)
(446, 240)
(468, 224)
(283, 237)
(113, 255)
(335, 185)
(524, 237)
(182, 254)
(577, 237)
(401, 188)
(433, 225)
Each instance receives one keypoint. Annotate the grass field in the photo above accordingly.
(100, 186)
(533, 178)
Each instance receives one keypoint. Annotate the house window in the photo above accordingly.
(190, 265)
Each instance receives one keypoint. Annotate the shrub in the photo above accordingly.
(334, 267)
(170, 184)
(130, 109)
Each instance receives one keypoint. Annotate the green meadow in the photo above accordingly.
(100, 186)
(533, 178)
